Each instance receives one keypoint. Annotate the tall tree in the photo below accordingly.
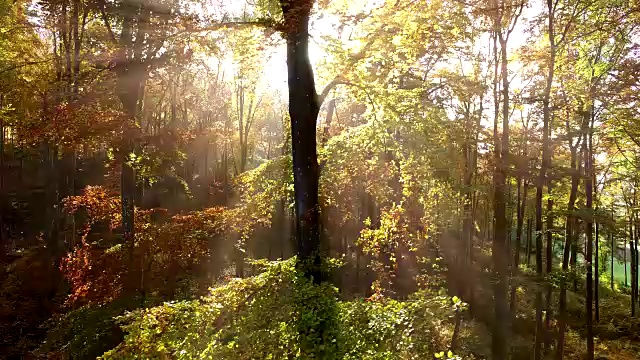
(303, 109)
(505, 12)
(542, 177)
(588, 147)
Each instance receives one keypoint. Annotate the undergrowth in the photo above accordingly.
(265, 317)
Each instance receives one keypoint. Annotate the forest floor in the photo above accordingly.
(617, 335)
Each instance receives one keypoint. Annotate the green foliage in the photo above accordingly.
(262, 187)
(86, 332)
(384, 244)
(265, 317)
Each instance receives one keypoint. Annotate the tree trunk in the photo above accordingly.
(239, 252)
(546, 157)
(626, 281)
(569, 244)
(613, 252)
(516, 247)
(3, 239)
(239, 259)
(636, 233)
(303, 109)
(636, 254)
(522, 202)
(589, 250)
(469, 150)
(529, 240)
(131, 73)
(549, 258)
(596, 293)
(499, 248)
(225, 161)
(634, 279)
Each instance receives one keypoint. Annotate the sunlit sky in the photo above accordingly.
(274, 77)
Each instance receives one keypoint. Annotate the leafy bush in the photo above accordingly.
(266, 317)
(86, 332)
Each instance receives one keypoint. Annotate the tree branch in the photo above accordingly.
(327, 89)
(26, 63)
(105, 19)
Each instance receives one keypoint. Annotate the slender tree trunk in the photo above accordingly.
(635, 251)
(225, 162)
(596, 293)
(239, 251)
(634, 279)
(522, 202)
(500, 253)
(626, 281)
(574, 255)
(467, 227)
(529, 240)
(635, 241)
(65, 35)
(3, 239)
(128, 96)
(77, 31)
(546, 159)
(516, 248)
(589, 251)
(131, 74)
(613, 252)
(51, 151)
(549, 258)
(569, 244)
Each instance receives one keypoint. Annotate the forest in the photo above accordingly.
(317, 179)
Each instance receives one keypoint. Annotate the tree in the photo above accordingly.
(501, 14)
(303, 110)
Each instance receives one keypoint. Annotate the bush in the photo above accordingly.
(86, 332)
(267, 317)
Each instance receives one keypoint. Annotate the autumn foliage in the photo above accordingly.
(102, 267)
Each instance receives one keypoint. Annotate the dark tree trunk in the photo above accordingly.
(626, 280)
(596, 285)
(542, 178)
(3, 239)
(51, 154)
(127, 91)
(569, 244)
(225, 162)
(549, 262)
(589, 248)
(634, 276)
(470, 156)
(131, 74)
(303, 109)
(239, 259)
(636, 254)
(634, 248)
(613, 252)
(499, 249)
(529, 240)
(522, 202)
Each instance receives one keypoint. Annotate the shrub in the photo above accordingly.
(86, 332)
(266, 317)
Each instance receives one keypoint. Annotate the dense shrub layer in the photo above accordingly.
(264, 317)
